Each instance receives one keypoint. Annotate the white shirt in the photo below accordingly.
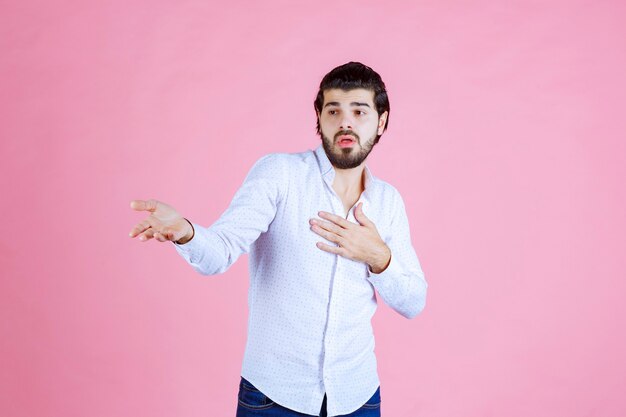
(309, 323)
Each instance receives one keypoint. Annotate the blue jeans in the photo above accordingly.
(253, 403)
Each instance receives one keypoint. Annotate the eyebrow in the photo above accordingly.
(354, 103)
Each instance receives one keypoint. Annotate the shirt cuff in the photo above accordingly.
(385, 278)
(194, 250)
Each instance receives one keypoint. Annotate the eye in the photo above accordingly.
(332, 112)
(360, 112)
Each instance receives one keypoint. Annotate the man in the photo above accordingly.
(323, 233)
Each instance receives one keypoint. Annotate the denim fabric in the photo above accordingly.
(253, 403)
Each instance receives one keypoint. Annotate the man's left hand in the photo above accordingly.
(359, 242)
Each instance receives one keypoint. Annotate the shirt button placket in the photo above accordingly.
(330, 330)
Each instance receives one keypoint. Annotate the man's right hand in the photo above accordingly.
(164, 223)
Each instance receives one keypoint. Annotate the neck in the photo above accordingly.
(348, 181)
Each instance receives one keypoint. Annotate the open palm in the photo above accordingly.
(163, 224)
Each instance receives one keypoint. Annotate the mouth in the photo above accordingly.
(346, 141)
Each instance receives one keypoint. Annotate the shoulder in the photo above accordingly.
(393, 200)
(274, 169)
(287, 164)
(386, 192)
(281, 159)
(272, 164)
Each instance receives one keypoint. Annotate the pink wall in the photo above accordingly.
(506, 139)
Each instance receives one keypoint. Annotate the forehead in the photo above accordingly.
(360, 95)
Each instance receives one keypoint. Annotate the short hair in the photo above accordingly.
(351, 76)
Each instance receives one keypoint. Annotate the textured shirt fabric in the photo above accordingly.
(309, 323)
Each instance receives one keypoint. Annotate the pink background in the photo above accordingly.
(506, 139)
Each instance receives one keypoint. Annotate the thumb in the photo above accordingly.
(144, 205)
(360, 216)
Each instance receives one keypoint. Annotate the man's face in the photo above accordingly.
(349, 125)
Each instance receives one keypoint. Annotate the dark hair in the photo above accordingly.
(349, 77)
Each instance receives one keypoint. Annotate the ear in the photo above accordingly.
(381, 122)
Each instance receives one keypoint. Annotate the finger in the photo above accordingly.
(167, 234)
(336, 219)
(331, 249)
(147, 235)
(140, 227)
(325, 234)
(171, 234)
(331, 227)
(144, 205)
(160, 237)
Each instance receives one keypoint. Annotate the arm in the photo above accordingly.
(402, 284)
(212, 250)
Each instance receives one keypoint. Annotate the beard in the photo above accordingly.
(347, 158)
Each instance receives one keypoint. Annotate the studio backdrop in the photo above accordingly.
(505, 139)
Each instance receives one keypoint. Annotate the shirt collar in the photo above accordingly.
(328, 170)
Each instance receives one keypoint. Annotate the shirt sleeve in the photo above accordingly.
(253, 208)
(402, 284)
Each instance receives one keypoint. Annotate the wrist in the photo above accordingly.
(188, 236)
(382, 262)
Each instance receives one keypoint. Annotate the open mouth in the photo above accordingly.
(346, 141)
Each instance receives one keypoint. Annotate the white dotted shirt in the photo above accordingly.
(309, 323)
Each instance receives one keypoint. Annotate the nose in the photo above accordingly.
(346, 123)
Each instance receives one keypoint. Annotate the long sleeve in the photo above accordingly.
(253, 208)
(401, 285)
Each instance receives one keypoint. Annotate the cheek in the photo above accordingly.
(373, 126)
(329, 121)
(327, 126)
